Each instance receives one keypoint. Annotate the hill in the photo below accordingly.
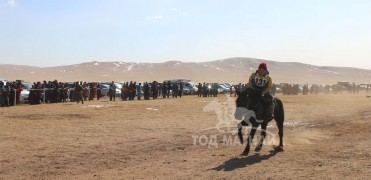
(232, 70)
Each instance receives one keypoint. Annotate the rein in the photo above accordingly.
(256, 105)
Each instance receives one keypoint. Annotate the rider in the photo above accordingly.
(261, 83)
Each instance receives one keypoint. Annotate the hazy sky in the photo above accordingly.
(60, 32)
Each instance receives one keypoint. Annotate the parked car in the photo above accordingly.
(25, 93)
(4, 81)
(104, 89)
(227, 85)
(190, 88)
(223, 89)
(118, 88)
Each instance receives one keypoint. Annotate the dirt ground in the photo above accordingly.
(325, 137)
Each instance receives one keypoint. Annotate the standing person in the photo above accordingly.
(164, 90)
(72, 91)
(215, 90)
(78, 93)
(99, 91)
(131, 97)
(261, 83)
(180, 90)
(37, 93)
(86, 91)
(134, 89)
(65, 92)
(55, 91)
(168, 89)
(61, 92)
(112, 91)
(18, 93)
(93, 90)
(6, 93)
(2, 94)
(199, 90)
(146, 91)
(47, 86)
(123, 91)
(32, 94)
(52, 93)
(160, 89)
(210, 90)
(204, 90)
(139, 91)
(126, 91)
(11, 93)
(154, 90)
(175, 90)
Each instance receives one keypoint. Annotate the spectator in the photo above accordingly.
(168, 89)
(2, 93)
(78, 93)
(180, 90)
(164, 90)
(175, 90)
(99, 91)
(112, 91)
(139, 91)
(199, 90)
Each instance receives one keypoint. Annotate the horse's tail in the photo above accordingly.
(279, 113)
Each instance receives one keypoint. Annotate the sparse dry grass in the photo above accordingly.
(129, 140)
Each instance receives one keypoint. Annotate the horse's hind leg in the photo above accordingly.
(280, 133)
(279, 115)
(262, 136)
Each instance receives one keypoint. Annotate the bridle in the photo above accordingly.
(256, 104)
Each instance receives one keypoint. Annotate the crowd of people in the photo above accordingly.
(57, 92)
(10, 93)
(207, 90)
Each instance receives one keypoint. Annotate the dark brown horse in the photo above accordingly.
(248, 102)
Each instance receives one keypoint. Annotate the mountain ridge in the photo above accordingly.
(232, 70)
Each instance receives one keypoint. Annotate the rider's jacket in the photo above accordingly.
(259, 83)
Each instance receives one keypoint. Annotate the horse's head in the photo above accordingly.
(247, 100)
(241, 104)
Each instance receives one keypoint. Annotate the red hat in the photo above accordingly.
(263, 66)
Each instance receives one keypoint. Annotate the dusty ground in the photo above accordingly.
(325, 137)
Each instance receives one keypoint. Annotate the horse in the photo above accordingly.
(247, 102)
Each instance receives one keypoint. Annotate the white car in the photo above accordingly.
(118, 88)
(223, 89)
(25, 93)
(104, 89)
(190, 88)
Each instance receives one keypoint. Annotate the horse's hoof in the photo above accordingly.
(258, 148)
(245, 153)
(278, 148)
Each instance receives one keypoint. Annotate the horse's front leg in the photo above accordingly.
(262, 136)
(250, 139)
(240, 125)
